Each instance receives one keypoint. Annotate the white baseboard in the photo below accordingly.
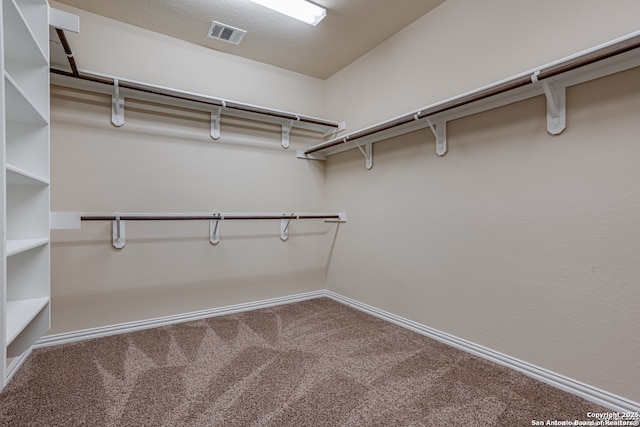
(587, 392)
(103, 331)
(15, 364)
(593, 394)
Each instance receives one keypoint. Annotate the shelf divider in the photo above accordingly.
(16, 175)
(17, 246)
(22, 108)
(20, 313)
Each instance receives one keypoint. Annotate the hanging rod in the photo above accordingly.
(575, 62)
(146, 88)
(144, 91)
(198, 217)
(67, 50)
(72, 220)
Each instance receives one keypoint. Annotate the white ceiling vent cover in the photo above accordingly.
(226, 33)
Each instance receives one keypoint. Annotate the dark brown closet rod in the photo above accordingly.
(67, 50)
(551, 71)
(202, 217)
(195, 98)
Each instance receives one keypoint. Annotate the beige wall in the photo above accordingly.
(163, 160)
(465, 44)
(516, 240)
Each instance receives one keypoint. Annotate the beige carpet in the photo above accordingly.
(313, 363)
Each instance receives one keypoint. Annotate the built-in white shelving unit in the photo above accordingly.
(24, 125)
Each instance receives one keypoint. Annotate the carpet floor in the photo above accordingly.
(312, 363)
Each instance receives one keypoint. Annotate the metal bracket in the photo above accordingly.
(214, 231)
(439, 129)
(117, 105)
(556, 106)
(215, 123)
(117, 233)
(284, 229)
(367, 152)
(286, 129)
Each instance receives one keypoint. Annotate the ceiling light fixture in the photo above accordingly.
(299, 9)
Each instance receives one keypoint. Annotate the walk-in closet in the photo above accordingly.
(400, 213)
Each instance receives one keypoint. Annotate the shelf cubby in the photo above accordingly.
(17, 246)
(19, 107)
(20, 313)
(28, 331)
(27, 148)
(27, 43)
(19, 176)
(30, 81)
(27, 210)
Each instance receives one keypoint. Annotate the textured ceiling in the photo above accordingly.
(350, 29)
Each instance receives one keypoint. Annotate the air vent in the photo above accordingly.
(226, 33)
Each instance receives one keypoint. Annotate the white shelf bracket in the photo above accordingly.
(117, 233)
(341, 126)
(342, 218)
(64, 220)
(215, 123)
(439, 129)
(214, 231)
(367, 152)
(556, 106)
(284, 229)
(286, 129)
(368, 155)
(117, 105)
(64, 20)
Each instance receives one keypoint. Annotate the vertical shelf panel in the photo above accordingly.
(5, 362)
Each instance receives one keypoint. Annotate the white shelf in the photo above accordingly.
(20, 41)
(27, 147)
(22, 109)
(18, 246)
(20, 313)
(550, 80)
(16, 175)
(24, 120)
